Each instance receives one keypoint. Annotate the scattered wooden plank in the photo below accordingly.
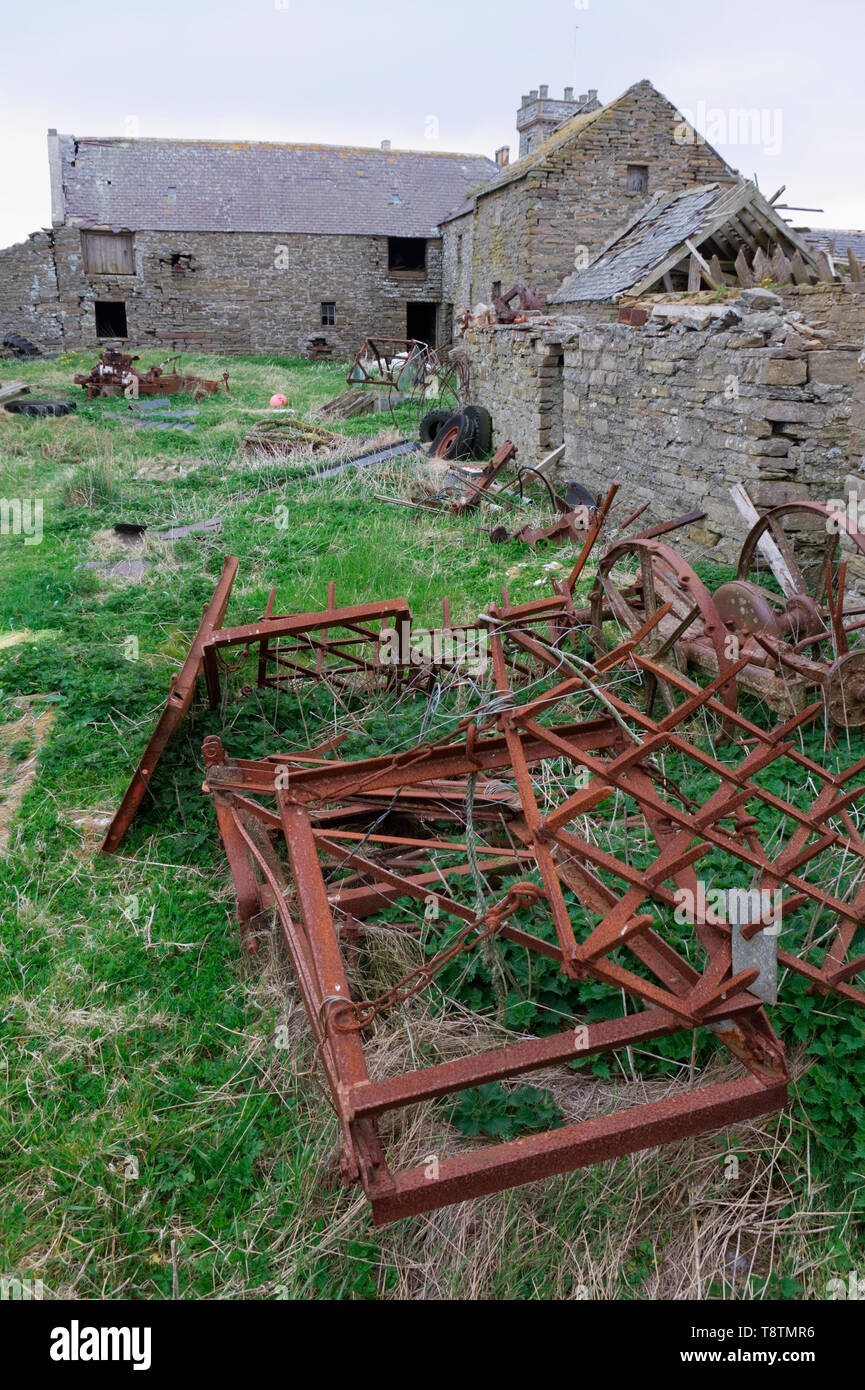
(705, 269)
(758, 225)
(282, 437)
(782, 269)
(724, 244)
(346, 406)
(743, 233)
(762, 266)
(743, 271)
(825, 267)
(694, 276)
(550, 461)
(766, 544)
(12, 390)
(717, 272)
(773, 229)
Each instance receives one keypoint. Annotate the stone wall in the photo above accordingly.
(29, 298)
(517, 375)
(703, 396)
(575, 198)
(457, 261)
(230, 292)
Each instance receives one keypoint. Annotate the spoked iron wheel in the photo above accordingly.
(691, 627)
(820, 615)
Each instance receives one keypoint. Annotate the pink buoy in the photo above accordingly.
(278, 401)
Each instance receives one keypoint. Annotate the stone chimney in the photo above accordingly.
(55, 170)
(503, 156)
(385, 144)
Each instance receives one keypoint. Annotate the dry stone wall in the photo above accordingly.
(516, 372)
(766, 390)
(29, 297)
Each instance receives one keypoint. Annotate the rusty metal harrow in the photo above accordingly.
(328, 846)
(353, 648)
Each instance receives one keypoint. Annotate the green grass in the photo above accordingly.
(155, 1139)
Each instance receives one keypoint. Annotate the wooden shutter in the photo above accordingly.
(109, 253)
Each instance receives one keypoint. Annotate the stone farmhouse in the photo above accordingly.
(306, 249)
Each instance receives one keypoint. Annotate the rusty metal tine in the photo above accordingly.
(594, 531)
(175, 711)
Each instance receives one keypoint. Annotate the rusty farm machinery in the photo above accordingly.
(793, 611)
(574, 814)
(493, 828)
(115, 374)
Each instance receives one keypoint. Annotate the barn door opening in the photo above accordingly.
(420, 322)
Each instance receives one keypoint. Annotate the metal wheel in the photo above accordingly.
(815, 546)
(691, 633)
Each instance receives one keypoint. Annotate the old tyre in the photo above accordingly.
(456, 438)
(40, 408)
(432, 423)
(483, 429)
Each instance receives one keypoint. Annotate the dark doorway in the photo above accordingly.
(420, 322)
(110, 318)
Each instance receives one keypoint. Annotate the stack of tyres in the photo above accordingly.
(458, 434)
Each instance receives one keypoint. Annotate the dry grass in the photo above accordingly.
(33, 726)
(669, 1223)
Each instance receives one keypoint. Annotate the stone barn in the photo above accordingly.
(575, 186)
(234, 246)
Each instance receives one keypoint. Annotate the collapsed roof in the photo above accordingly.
(716, 234)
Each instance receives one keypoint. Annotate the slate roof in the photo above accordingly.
(660, 229)
(655, 239)
(836, 241)
(572, 128)
(512, 173)
(243, 186)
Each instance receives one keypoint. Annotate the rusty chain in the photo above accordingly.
(353, 1018)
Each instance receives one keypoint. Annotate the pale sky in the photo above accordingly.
(436, 74)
